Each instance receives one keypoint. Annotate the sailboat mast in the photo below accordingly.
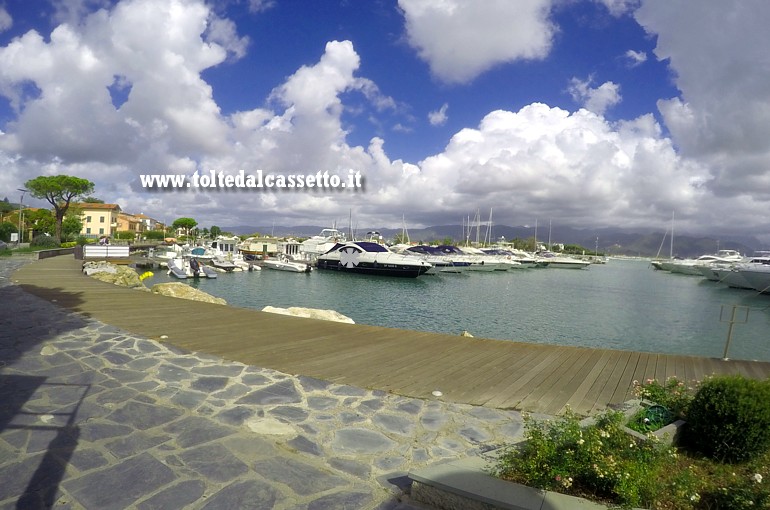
(488, 237)
(671, 250)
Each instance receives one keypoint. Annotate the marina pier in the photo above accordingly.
(530, 377)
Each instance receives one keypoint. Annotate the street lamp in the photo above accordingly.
(21, 201)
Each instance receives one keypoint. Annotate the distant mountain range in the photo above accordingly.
(613, 241)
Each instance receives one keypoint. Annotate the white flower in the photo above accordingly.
(581, 441)
(695, 497)
(757, 478)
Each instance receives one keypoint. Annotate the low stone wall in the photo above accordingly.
(45, 254)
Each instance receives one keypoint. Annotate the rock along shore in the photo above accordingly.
(94, 417)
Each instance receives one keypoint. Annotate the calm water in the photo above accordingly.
(623, 304)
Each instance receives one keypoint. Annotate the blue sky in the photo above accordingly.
(588, 113)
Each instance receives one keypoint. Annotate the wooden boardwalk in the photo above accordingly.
(494, 373)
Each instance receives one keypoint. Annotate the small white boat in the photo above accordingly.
(284, 264)
(182, 268)
(562, 262)
(223, 264)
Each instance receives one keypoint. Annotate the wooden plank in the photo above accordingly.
(547, 387)
(624, 391)
(513, 393)
(509, 370)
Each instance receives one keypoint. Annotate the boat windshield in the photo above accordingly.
(423, 249)
(449, 249)
(371, 247)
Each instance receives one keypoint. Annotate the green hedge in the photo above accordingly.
(729, 418)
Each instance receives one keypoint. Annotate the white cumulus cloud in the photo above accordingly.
(597, 99)
(439, 117)
(721, 66)
(460, 40)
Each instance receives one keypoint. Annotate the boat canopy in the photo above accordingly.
(362, 245)
(425, 249)
(445, 248)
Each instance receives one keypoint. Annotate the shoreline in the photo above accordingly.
(207, 432)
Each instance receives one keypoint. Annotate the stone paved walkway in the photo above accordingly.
(92, 417)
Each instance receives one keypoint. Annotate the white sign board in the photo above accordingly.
(14, 237)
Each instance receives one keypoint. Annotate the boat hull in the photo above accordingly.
(290, 267)
(378, 269)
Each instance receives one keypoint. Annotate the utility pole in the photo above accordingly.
(21, 211)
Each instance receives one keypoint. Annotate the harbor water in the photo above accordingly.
(624, 304)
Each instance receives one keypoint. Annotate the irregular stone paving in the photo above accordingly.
(92, 417)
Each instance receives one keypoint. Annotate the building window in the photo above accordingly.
(88, 231)
(101, 231)
(101, 219)
(88, 219)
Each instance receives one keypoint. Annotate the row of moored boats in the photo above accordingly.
(330, 250)
(726, 266)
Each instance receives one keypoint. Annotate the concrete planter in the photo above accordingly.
(465, 485)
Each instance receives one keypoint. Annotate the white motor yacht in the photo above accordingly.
(371, 258)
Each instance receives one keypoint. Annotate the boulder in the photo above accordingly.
(310, 313)
(111, 273)
(181, 290)
(89, 268)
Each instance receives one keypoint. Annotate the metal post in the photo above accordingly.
(732, 321)
(21, 208)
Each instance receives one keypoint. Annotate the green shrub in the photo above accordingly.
(729, 418)
(125, 235)
(44, 242)
(154, 235)
(747, 493)
(600, 460)
(673, 394)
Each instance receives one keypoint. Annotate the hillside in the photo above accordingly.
(609, 241)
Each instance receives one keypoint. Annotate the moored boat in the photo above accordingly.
(370, 258)
(562, 262)
(284, 264)
(182, 268)
(433, 256)
(310, 249)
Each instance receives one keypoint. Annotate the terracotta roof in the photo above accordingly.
(89, 206)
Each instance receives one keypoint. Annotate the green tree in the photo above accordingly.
(6, 206)
(215, 231)
(6, 229)
(186, 223)
(92, 200)
(59, 191)
(41, 221)
(71, 227)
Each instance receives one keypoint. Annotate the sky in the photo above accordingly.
(581, 113)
